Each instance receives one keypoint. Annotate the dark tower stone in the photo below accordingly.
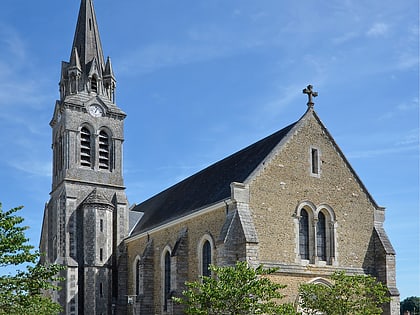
(86, 219)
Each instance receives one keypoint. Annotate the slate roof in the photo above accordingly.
(206, 187)
(86, 38)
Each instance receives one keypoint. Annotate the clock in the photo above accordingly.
(96, 110)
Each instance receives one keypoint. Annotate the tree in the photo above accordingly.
(237, 290)
(21, 293)
(411, 304)
(347, 295)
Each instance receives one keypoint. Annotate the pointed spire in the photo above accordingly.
(109, 72)
(86, 39)
(109, 80)
(86, 72)
(75, 60)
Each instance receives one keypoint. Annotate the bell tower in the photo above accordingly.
(86, 218)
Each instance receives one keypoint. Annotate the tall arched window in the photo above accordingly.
(104, 155)
(304, 235)
(167, 280)
(206, 259)
(321, 237)
(138, 277)
(85, 147)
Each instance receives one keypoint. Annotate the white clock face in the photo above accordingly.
(95, 110)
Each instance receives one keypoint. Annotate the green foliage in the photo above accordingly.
(411, 304)
(237, 290)
(348, 295)
(21, 293)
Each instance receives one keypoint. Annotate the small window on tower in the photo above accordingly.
(101, 225)
(101, 254)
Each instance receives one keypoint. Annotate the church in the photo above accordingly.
(290, 200)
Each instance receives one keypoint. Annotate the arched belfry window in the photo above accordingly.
(85, 147)
(321, 237)
(206, 259)
(94, 84)
(104, 150)
(304, 235)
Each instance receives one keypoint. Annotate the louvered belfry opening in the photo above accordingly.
(103, 150)
(94, 85)
(85, 147)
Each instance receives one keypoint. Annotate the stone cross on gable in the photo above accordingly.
(308, 90)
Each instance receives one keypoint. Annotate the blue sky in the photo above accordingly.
(203, 79)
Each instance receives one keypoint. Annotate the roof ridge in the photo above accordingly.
(207, 186)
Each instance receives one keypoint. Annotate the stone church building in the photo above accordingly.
(291, 200)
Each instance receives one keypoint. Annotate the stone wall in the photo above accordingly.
(286, 181)
(183, 240)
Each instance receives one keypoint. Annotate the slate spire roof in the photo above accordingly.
(86, 38)
(206, 187)
(109, 71)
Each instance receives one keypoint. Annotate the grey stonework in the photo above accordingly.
(86, 219)
(249, 205)
(145, 298)
(260, 221)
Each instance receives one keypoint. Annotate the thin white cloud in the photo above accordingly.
(413, 105)
(32, 167)
(411, 138)
(18, 84)
(407, 61)
(402, 108)
(12, 44)
(377, 30)
(343, 38)
(365, 154)
(162, 55)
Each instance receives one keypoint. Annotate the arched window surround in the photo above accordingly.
(310, 209)
(318, 281)
(200, 253)
(330, 233)
(96, 148)
(330, 257)
(137, 277)
(166, 277)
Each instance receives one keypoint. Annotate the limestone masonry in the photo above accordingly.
(290, 200)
